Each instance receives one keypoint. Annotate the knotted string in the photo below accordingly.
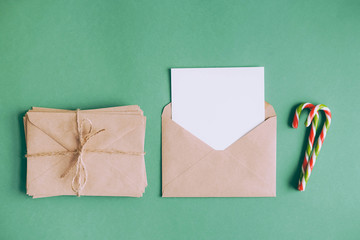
(80, 179)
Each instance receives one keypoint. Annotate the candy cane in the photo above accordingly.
(310, 141)
(321, 138)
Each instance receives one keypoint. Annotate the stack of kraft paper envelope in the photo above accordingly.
(96, 152)
(235, 158)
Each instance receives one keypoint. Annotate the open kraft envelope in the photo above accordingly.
(191, 168)
(120, 173)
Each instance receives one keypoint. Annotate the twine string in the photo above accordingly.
(80, 179)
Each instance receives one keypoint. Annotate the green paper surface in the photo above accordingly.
(91, 54)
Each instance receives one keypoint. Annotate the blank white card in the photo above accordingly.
(218, 105)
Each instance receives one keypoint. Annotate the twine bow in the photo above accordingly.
(81, 175)
(79, 180)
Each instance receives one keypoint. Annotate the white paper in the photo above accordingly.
(218, 105)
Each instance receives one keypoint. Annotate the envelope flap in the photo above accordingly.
(257, 149)
(59, 126)
(180, 148)
(62, 126)
(166, 111)
(269, 111)
(115, 125)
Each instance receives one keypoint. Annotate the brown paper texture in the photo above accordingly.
(109, 174)
(191, 168)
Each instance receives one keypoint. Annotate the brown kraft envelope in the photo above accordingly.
(191, 168)
(108, 174)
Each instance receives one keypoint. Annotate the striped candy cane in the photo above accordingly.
(320, 140)
(311, 139)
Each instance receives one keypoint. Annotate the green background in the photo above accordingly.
(90, 54)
